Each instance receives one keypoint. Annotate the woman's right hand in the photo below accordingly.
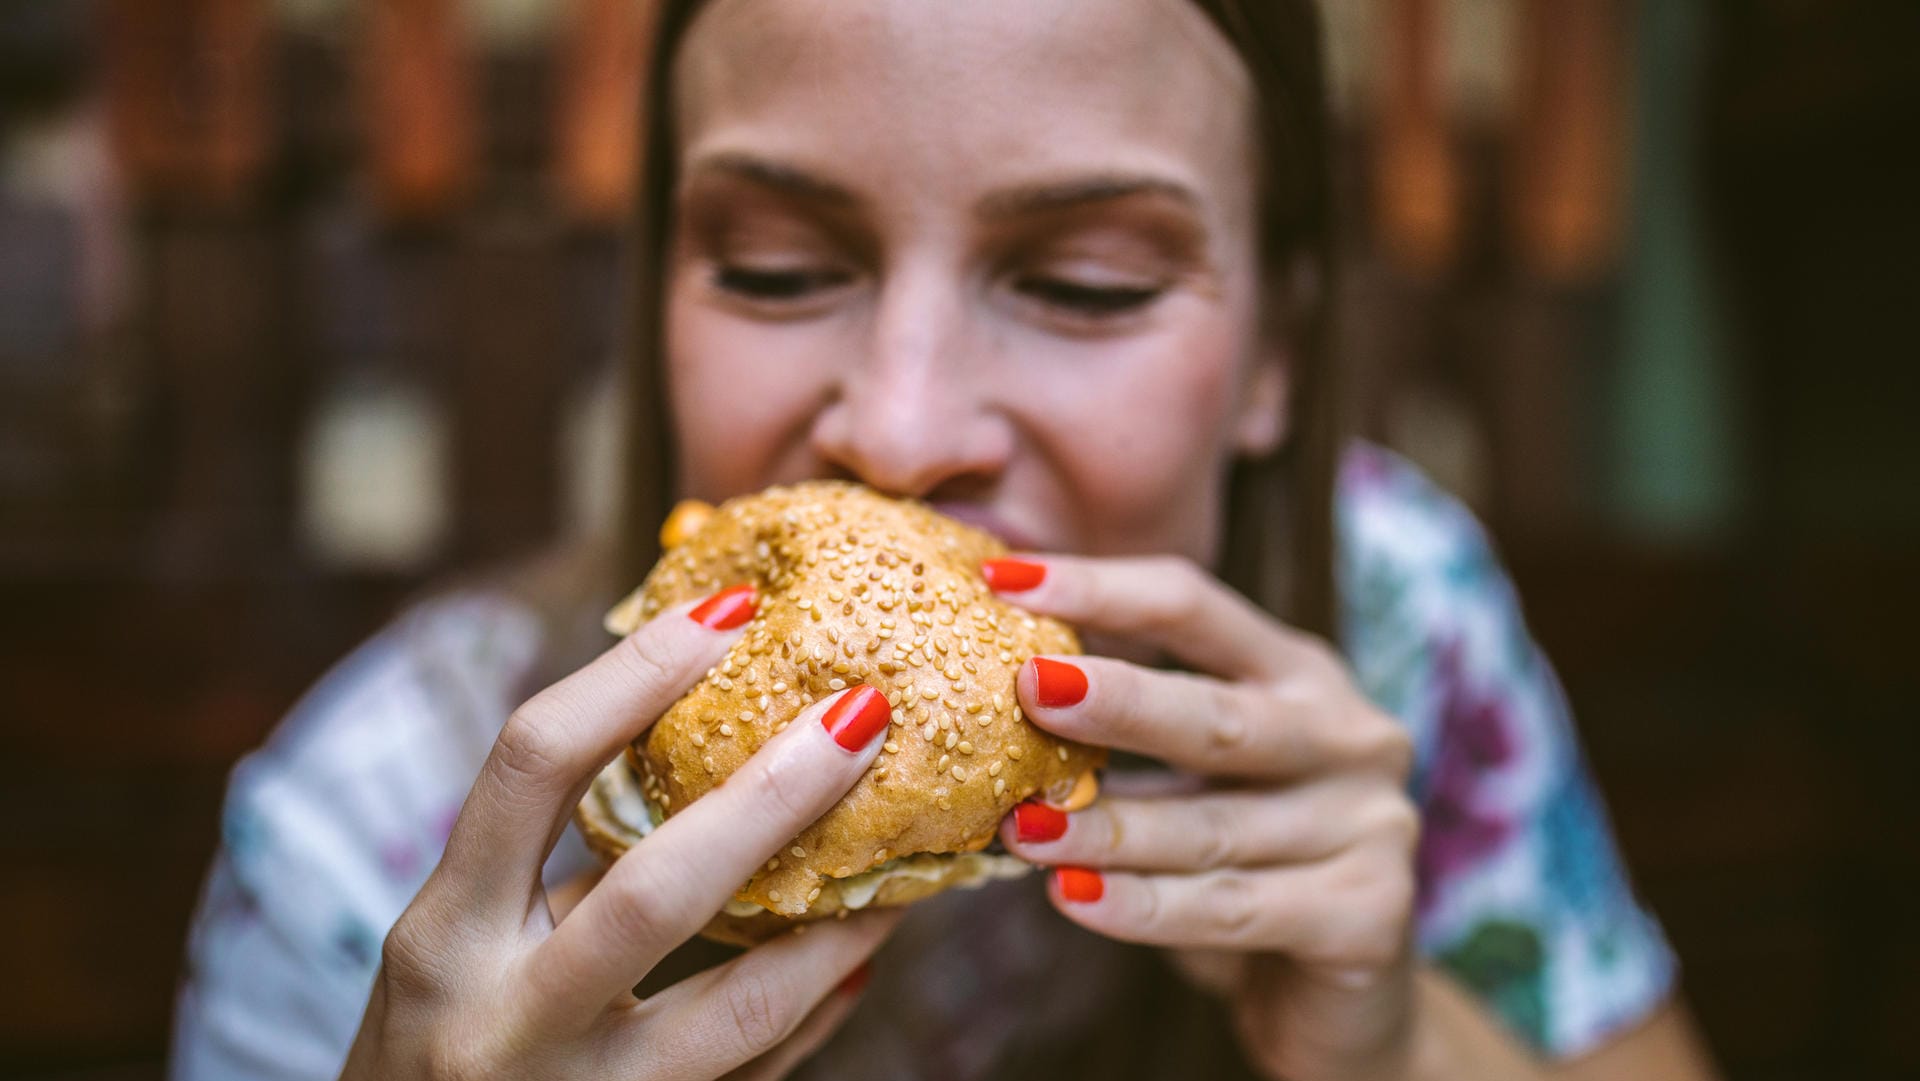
(477, 979)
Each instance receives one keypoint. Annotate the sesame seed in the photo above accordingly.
(974, 707)
(879, 855)
(927, 732)
(891, 746)
(813, 895)
(707, 762)
(781, 688)
(773, 864)
(726, 730)
(930, 693)
(952, 738)
(842, 667)
(1062, 751)
(798, 852)
(699, 739)
(945, 760)
(836, 684)
(804, 603)
(842, 871)
(946, 804)
(774, 896)
(998, 702)
(746, 715)
(959, 773)
(999, 785)
(898, 717)
(966, 747)
(1014, 752)
(993, 768)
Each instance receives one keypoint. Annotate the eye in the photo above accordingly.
(757, 283)
(1080, 298)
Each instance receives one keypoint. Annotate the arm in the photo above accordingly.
(1456, 1039)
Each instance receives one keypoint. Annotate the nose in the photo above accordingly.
(915, 411)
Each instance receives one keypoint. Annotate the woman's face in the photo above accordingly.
(999, 255)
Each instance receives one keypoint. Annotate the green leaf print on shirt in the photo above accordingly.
(1502, 963)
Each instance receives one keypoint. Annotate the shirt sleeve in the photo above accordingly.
(1523, 896)
(327, 833)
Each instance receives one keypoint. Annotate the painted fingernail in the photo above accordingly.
(1013, 575)
(1081, 884)
(856, 980)
(857, 717)
(726, 609)
(1057, 683)
(1035, 821)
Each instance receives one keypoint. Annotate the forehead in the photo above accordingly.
(951, 95)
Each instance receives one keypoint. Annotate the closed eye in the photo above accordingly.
(763, 284)
(1080, 298)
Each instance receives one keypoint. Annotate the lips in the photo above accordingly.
(981, 518)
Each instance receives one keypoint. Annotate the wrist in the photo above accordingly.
(1453, 1037)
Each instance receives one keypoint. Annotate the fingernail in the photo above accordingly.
(726, 609)
(857, 717)
(1057, 683)
(1082, 884)
(856, 980)
(1035, 821)
(1012, 575)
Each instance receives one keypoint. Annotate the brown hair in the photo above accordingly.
(1279, 529)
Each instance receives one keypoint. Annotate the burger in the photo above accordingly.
(854, 588)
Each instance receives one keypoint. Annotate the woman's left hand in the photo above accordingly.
(1286, 865)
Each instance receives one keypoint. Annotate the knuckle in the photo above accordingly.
(1233, 907)
(651, 659)
(760, 1015)
(1218, 832)
(412, 961)
(786, 789)
(532, 752)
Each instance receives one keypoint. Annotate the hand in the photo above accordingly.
(1280, 862)
(479, 980)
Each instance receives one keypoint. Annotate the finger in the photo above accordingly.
(749, 1007)
(1349, 912)
(1193, 722)
(669, 885)
(1203, 833)
(563, 898)
(1164, 601)
(810, 1037)
(550, 748)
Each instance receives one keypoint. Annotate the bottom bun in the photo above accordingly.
(614, 816)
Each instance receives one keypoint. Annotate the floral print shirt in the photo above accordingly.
(332, 827)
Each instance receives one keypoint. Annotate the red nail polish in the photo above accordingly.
(856, 980)
(1082, 884)
(1057, 683)
(857, 717)
(726, 609)
(1035, 821)
(1012, 575)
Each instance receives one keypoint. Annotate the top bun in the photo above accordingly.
(853, 588)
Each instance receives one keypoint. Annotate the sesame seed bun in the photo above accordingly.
(854, 588)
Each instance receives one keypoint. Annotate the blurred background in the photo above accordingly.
(305, 303)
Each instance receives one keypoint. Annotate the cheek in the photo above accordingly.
(1140, 431)
(741, 395)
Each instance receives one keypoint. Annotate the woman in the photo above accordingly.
(1058, 270)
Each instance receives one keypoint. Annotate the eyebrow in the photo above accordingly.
(1013, 202)
(1081, 191)
(779, 177)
